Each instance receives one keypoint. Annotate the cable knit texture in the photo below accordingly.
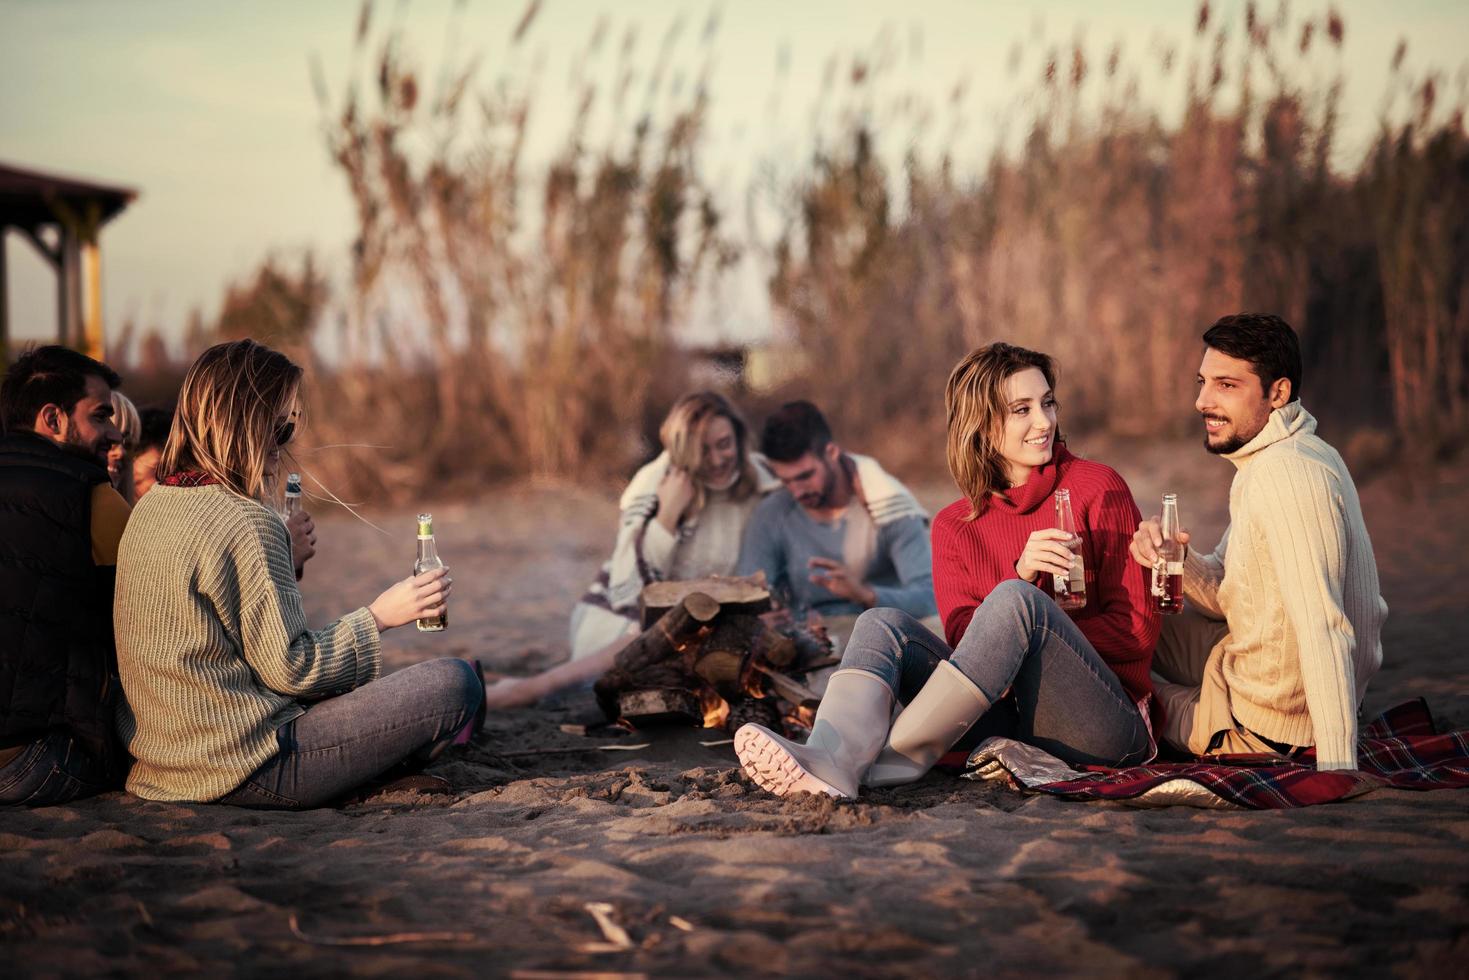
(212, 644)
(971, 557)
(1295, 578)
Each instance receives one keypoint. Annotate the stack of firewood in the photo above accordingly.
(706, 657)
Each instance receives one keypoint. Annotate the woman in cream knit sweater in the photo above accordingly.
(229, 697)
(682, 516)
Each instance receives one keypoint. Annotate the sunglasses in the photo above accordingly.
(284, 431)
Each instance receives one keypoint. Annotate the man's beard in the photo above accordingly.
(822, 500)
(1226, 447)
(1235, 442)
(98, 455)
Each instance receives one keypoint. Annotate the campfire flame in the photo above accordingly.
(800, 718)
(753, 682)
(716, 709)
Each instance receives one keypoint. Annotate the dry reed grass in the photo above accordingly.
(502, 322)
(1112, 239)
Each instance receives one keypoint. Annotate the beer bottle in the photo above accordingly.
(428, 561)
(1168, 567)
(293, 494)
(1070, 589)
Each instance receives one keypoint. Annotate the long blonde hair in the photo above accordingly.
(975, 402)
(682, 435)
(233, 398)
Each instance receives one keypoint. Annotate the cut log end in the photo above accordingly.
(660, 706)
(701, 606)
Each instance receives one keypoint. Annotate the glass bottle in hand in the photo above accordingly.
(1168, 568)
(1071, 588)
(292, 503)
(428, 561)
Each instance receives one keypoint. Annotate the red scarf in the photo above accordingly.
(188, 478)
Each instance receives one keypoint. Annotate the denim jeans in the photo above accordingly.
(54, 769)
(344, 741)
(1020, 648)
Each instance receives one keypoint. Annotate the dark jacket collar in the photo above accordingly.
(24, 447)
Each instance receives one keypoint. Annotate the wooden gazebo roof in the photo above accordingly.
(76, 209)
(27, 197)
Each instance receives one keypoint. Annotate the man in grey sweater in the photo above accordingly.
(842, 535)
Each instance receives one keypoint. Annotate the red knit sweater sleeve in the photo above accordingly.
(1122, 622)
(955, 587)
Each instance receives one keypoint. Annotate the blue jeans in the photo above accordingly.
(346, 740)
(54, 769)
(1021, 647)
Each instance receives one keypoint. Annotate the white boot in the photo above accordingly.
(850, 727)
(928, 727)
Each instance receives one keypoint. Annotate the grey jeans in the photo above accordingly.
(344, 741)
(1022, 648)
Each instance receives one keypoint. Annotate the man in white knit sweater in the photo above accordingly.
(1285, 619)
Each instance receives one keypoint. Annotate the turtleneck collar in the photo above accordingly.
(1288, 420)
(1038, 488)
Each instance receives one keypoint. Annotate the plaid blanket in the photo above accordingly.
(1401, 749)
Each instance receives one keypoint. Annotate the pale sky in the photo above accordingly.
(206, 108)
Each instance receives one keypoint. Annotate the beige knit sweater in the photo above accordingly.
(1295, 578)
(212, 644)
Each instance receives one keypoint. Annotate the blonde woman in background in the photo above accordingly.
(120, 454)
(682, 517)
(230, 697)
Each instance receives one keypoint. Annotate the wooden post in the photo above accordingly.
(79, 279)
(69, 290)
(93, 344)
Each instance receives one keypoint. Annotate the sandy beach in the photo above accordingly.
(708, 876)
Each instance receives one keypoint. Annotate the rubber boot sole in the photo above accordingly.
(766, 760)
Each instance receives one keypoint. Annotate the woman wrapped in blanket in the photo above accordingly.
(230, 697)
(1011, 661)
(682, 516)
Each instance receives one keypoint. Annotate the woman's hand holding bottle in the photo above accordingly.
(1045, 554)
(413, 598)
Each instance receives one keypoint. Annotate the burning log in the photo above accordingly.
(654, 658)
(727, 650)
(760, 711)
(710, 659)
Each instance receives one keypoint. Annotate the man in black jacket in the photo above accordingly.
(60, 525)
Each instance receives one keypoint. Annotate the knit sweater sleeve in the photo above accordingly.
(643, 553)
(906, 542)
(1299, 507)
(1202, 575)
(256, 578)
(1125, 628)
(762, 548)
(956, 588)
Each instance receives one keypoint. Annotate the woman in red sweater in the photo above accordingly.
(1075, 685)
